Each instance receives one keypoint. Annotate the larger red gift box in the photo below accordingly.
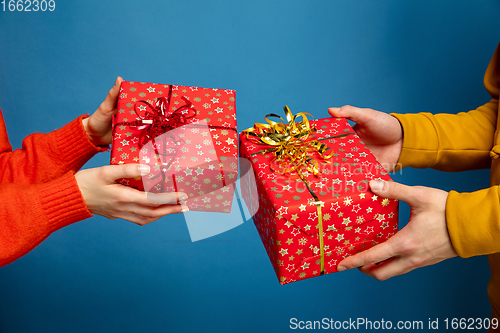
(353, 218)
(187, 135)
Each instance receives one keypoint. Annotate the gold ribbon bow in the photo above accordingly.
(292, 151)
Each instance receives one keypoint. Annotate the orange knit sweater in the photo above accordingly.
(38, 190)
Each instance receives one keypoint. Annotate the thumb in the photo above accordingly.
(392, 190)
(358, 115)
(113, 172)
(109, 103)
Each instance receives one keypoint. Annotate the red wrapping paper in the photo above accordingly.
(354, 219)
(198, 158)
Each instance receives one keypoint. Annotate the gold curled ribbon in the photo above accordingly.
(292, 151)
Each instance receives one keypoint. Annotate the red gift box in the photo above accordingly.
(314, 210)
(188, 137)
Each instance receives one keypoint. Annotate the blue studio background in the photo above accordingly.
(104, 275)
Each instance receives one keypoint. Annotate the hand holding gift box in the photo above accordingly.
(312, 189)
(187, 135)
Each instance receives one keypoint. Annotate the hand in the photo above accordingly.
(98, 125)
(381, 133)
(423, 241)
(107, 198)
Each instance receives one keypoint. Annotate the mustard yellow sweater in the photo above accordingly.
(457, 142)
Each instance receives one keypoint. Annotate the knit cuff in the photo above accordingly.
(420, 141)
(74, 144)
(62, 202)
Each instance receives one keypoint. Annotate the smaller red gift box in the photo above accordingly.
(188, 137)
(309, 223)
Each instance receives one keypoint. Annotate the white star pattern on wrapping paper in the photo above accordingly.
(125, 143)
(369, 230)
(151, 89)
(230, 141)
(226, 149)
(200, 152)
(215, 100)
(381, 217)
(313, 216)
(374, 197)
(307, 227)
(283, 210)
(287, 188)
(346, 221)
(271, 176)
(320, 131)
(347, 201)
(336, 181)
(302, 207)
(391, 215)
(290, 267)
(199, 171)
(197, 186)
(262, 166)
(335, 125)
(332, 262)
(211, 166)
(339, 237)
(226, 124)
(356, 208)
(229, 92)
(142, 108)
(366, 164)
(188, 171)
(175, 87)
(348, 174)
(369, 210)
(295, 231)
(330, 228)
(369, 175)
(320, 184)
(261, 174)
(305, 266)
(362, 154)
(206, 199)
(225, 189)
(350, 183)
(357, 230)
(118, 136)
(349, 155)
(194, 88)
(219, 110)
(283, 251)
(335, 206)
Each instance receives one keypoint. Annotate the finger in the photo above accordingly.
(111, 173)
(392, 190)
(358, 115)
(144, 216)
(109, 103)
(387, 270)
(166, 198)
(156, 212)
(374, 255)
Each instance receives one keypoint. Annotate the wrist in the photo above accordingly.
(97, 140)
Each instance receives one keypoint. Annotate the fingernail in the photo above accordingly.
(334, 109)
(376, 185)
(183, 197)
(185, 209)
(144, 169)
(116, 81)
(341, 268)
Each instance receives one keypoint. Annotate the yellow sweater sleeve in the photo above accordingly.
(462, 142)
(453, 142)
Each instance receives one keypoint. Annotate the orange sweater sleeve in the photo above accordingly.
(455, 143)
(30, 213)
(44, 157)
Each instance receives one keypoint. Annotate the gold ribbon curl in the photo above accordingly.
(292, 151)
